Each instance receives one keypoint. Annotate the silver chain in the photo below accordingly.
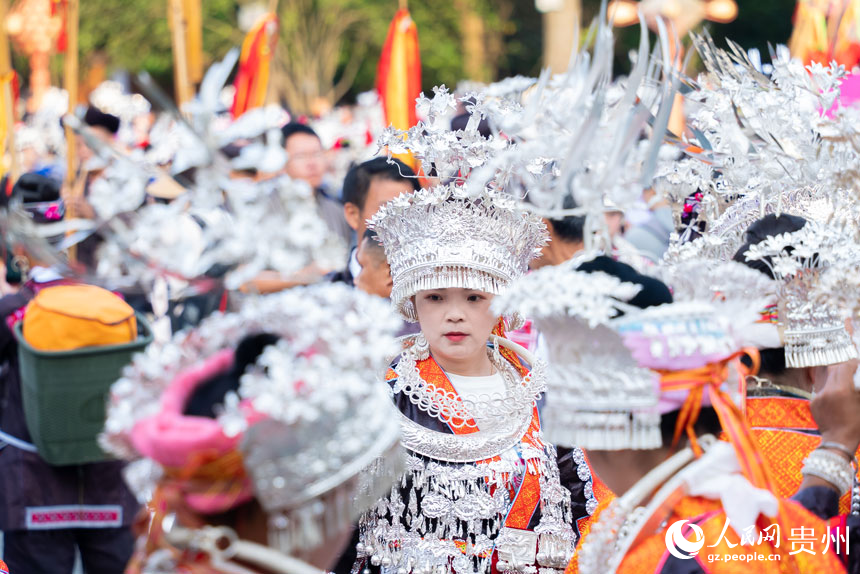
(460, 412)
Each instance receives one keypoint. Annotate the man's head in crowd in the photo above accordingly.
(369, 185)
(305, 155)
(103, 126)
(565, 238)
(375, 276)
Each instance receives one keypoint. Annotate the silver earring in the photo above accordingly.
(421, 347)
(515, 321)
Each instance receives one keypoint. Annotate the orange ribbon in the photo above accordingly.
(710, 378)
(732, 420)
(499, 331)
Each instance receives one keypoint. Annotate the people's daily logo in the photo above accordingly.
(678, 545)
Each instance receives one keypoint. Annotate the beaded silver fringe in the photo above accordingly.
(415, 527)
(310, 525)
(818, 348)
(638, 430)
(436, 276)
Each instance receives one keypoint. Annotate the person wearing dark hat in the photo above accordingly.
(48, 513)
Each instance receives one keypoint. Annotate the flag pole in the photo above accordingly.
(180, 55)
(74, 187)
(71, 83)
(6, 95)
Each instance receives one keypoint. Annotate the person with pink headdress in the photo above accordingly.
(250, 434)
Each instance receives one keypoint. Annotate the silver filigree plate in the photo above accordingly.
(472, 447)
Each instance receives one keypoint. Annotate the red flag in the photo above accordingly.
(398, 75)
(60, 9)
(252, 77)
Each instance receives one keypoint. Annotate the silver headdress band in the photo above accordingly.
(441, 238)
(599, 398)
(319, 419)
(813, 334)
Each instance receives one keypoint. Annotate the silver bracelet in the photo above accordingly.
(831, 467)
(830, 445)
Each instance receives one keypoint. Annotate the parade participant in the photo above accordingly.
(306, 162)
(264, 478)
(813, 335)
(83, 508)
(375, 274)
(566, 239)
(656, 450)
(483, 491)
(835, 411)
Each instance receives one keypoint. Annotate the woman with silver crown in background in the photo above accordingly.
(484, 491)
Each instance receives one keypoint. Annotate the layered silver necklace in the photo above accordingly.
(462, 411)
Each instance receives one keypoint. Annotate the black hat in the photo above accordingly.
(40, 196)
(654, 292)
(98, 119)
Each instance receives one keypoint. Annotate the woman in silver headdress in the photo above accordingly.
(483, 491)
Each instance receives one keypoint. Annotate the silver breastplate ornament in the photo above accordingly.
(451, 511)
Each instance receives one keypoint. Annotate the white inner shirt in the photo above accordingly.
(476, 388)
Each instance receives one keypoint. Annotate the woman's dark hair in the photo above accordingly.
(207, 397)
(768, 226)
(772, 360)
(571, 228)
(708, 423)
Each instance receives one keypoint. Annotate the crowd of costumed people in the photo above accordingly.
(558, 326)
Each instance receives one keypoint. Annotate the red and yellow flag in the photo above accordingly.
(826, 30)
(252, 77)
(398, 75)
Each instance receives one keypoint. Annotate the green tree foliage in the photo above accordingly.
(134, 35)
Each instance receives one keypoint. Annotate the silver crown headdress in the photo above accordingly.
(583, 139)
(598, 397)
(813, 333)
(761, 134)
(439, 238)
(725, 233)
(738, 291)
(324, 418)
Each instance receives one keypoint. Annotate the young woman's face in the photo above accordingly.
(456, 322)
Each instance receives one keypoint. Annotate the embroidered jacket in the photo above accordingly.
(786, 434)
(769, 551)
(506, 507)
